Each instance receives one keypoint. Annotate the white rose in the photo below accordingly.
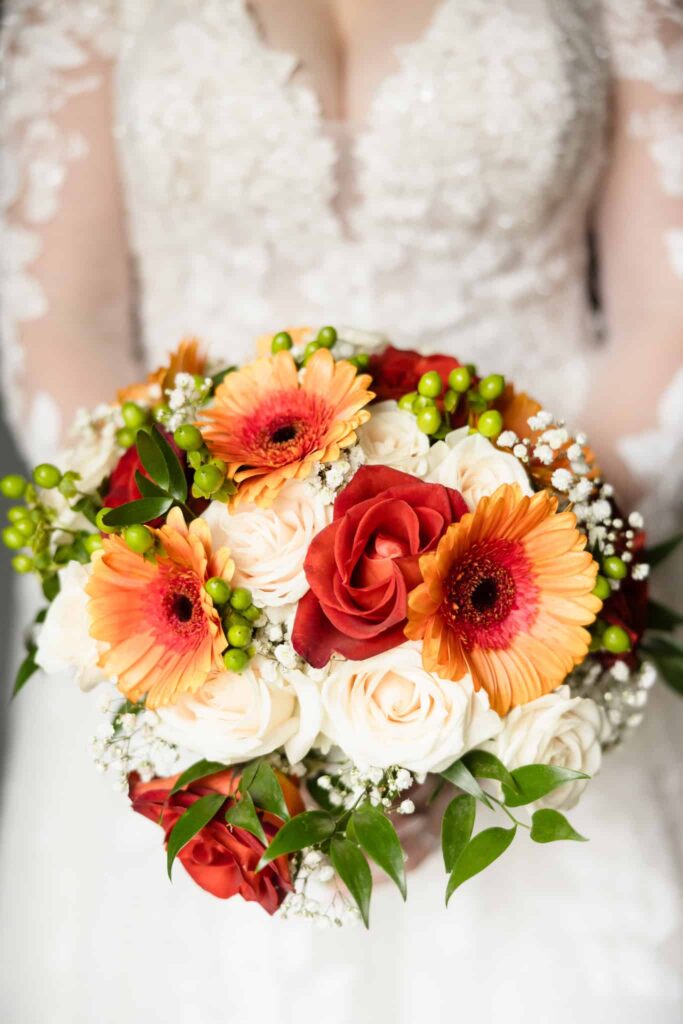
(235, 717)
(388, 710)
(64, 641)
(474, 466)
(556, 729)
(391, 438)
(269, 545)
(95, 451)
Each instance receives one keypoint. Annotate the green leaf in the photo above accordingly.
(307, 829)
(547, 826)
(537, 780)
(249, 774)
(653, 556)
(354, 871)
(199, 770)
(147, 487)
(27, 668)
(152, 458)
(243, 814)
(456, 828)
(459, 775)
(219, 377)
(192, 821)
(177, 484)
(51, 586)
(142, 511)
(484, 765)
(668, 657)
(661, 617)
(481, 851)
(88, 507)
(320, 795)
(377, 836)
(266, 792)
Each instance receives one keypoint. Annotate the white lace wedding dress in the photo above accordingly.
(455, 216)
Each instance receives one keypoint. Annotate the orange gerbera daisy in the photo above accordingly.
(506, 596)
(269, 426)
(163, 632)
(187, 358)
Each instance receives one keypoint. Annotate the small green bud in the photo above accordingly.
(125, 437)
(430, 384)
(209, 478)
(240, 599)
(18, 512)
(490, 423)
(26, 527)
(138, 538)
(13, 486)
(218, 590)
(460, 379)
(492, 387)
(188, 438)
(616, 640)
(450, 400)
(614, 567)
(252, 613)
(602, 588)
(22, 564)
(282, 342)
(327, 337)
(239, 636)
(310, 350)
(92, 543)
(406, 401)
(46, 475)
(235, 660)
(134, 415)
(429, 420)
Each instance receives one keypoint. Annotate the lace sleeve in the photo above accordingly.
(64, 276)
(640, 239)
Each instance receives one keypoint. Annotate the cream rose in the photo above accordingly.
(474, 466)
(388, 710)
(235, 717)
(556, 729)
(391, 438)
(269, 545)
(64, 641)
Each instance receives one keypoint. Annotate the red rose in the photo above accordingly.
(361, 567)
(395, 371)
(221, 858)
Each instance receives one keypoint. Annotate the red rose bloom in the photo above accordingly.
(395, 371)
(221, 858)
(361, 567)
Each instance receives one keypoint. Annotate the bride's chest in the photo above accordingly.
(495, 110)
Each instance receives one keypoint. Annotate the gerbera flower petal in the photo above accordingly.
(269, 426)
(506, 596)
(163, 634)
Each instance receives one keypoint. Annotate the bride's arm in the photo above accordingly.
(66, 294)
(636, 408)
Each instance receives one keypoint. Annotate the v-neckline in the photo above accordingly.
(352, 129)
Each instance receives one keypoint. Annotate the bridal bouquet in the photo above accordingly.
(338, 586)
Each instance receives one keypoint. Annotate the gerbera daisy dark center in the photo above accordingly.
(181, 604)
(284, 434)
(480, 592)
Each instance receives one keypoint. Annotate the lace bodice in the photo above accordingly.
(456, 215)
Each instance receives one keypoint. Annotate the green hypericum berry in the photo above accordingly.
(22, 563)
(209, 478)
(429, 420)
(235, 660)
(490, 423)
(240, 599)
(100, 523)
(233, 618)
(450, 400)
(188, 438)
(67, 485)
(18, 512)
(406, 401)
(602, 588)
(92, 543)
(492, 387)
(430, 384)
(361, 361)
(13, 486)
(422, 402)
(46, 475)
(239, 636)
(26, 527)
(460, 379)
(12, 539)
(218, 590)
(614, 567)
(138, 538)
(311, 349)
(616, 640)
(134, 415)
(282, 342)
(161, 412)
(126, 437)
(252, 613)
(327, 336)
